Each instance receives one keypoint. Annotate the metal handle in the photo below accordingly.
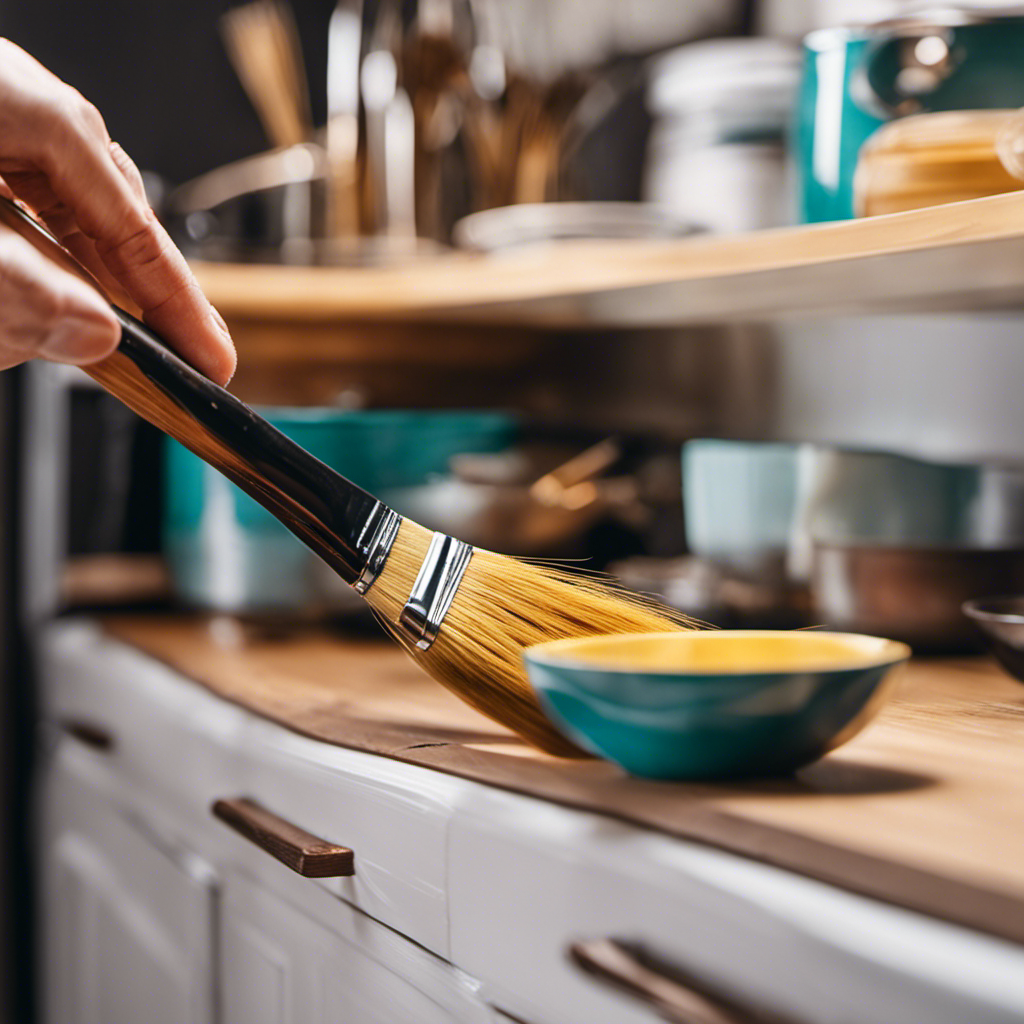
(630, 970)
(306, 854)
(90, 734)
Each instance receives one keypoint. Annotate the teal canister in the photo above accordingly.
(856, 79)
(227, 553)
(831, 127)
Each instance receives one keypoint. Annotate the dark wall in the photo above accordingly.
(159, 73)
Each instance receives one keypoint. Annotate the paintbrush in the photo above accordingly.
(464, 614)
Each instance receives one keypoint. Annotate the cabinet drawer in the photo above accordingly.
(303, 957)
(394, 817)
(528, 881)
(164, 734)
(171, 739)
(129, 915)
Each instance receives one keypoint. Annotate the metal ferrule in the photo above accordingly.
(375, 541)
(435, 588)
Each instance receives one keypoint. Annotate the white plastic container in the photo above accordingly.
(716, 155)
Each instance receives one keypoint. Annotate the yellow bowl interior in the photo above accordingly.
(724, 652)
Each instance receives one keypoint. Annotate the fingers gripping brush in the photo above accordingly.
(464, 614)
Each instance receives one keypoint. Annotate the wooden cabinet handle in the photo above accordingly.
(630, 970)
(304, 853)
(90, 734)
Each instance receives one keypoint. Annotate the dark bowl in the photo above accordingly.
(1001, 619)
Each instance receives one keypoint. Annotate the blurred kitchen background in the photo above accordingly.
(751, 473)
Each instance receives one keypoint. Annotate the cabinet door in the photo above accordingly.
(128, 918)
(281, 966)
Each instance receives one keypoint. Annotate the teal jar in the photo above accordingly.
(831, 127)
(856, 79)
(227, 553)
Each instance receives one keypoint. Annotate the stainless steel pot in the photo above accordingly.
(912, 594)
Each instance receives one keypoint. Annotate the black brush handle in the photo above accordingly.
(322, 508)
(330, 514)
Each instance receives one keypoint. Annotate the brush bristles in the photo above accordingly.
(503, 606)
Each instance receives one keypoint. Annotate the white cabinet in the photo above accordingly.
(529, 880)
(465, 900)
(128, 921)
(283, 966)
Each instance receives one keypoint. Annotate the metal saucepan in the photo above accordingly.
(912, 594)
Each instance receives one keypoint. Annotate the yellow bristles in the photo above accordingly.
(503, 606)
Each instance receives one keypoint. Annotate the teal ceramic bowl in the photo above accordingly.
(713, 704)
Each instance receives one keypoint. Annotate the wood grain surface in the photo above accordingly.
(924, 809)
(961, 255)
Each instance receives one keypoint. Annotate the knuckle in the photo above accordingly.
(142, 245)
(127, 166)
(90, 118)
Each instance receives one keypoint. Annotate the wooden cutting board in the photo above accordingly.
(924, 809)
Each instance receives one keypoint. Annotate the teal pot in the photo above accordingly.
(713, 704)
(227, 553)
(856, 79)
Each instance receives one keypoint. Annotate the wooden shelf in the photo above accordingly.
(964, 256)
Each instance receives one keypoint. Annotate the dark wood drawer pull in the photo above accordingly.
(91, 735)
(630, 970)
(303, 852)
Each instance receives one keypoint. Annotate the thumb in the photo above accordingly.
(47, 312)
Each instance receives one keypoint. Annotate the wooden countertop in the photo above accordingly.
(924, 809)
(967, 255)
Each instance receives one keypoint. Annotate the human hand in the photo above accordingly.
(56, 156)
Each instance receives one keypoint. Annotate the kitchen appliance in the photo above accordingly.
(895, 544)
(714, 705)
(504, 503)
(884, 498)
(886, 543)
(856, 79)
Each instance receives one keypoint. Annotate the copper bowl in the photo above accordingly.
(913, 594)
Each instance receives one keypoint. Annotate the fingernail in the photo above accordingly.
(77, 340)
(219, 321)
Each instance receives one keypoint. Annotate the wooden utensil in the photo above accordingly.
(263, 44)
